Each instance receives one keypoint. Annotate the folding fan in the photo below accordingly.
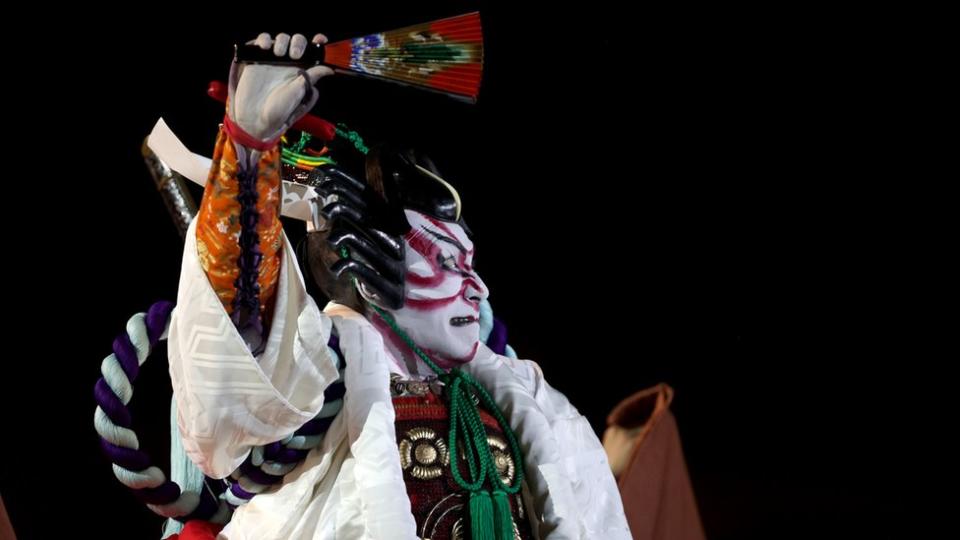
(444, 56)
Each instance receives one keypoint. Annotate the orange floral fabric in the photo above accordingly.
(218, 224)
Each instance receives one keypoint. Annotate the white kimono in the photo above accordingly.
(351, 485)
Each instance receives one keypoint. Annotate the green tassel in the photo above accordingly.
(503, 516)
(481, 516)
(490, 518)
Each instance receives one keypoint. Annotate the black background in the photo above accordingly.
(683, 197)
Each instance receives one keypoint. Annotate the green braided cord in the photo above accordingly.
(353, 137)
(304, 139)
(473, 447)
(462, 409)
(490, 516)
(306, 160)
(291, 153)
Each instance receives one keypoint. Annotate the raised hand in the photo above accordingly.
(267, 99)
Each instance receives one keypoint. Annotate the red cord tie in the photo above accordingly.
(241, 137)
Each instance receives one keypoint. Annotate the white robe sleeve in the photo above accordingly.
(227, 400)
(573, 489)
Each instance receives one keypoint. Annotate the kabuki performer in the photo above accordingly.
(394, 412)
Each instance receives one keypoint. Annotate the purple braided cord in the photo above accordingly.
(279, 453)
(127, 355)
(240, 492)
(116, 411)
(136, 460)
(247, 301)
(257, 475)
(291, 455)
(271, 450)
(156, 320)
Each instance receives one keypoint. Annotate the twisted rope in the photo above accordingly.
(112, 420)
(489, 509)
(267, 465)
(134, 468)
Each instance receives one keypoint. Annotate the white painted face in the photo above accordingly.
(443, 293)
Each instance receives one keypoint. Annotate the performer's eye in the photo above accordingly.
(449, 262)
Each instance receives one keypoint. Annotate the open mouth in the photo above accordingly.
(463, 321)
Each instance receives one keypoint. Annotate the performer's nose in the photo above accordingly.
(476, 290)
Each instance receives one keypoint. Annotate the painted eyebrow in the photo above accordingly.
(443, 238)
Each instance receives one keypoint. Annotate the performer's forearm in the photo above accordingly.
(239, 235)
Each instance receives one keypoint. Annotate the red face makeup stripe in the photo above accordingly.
(428, 304)
(421, 243)
(463, 261)
(442, 227)
(426, 247)
(461, 256)
(426, 282)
